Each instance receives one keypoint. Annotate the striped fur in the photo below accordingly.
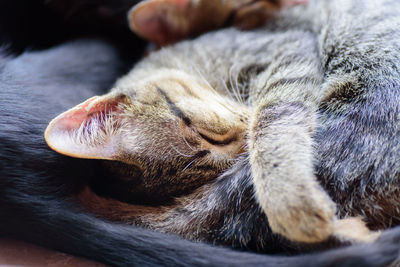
(318, 93)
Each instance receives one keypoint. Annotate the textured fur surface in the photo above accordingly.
(317, 93)
(36, 184)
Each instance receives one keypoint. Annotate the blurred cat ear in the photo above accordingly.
(168, 21)
(89, 130)
(256, 13)
(161, 21)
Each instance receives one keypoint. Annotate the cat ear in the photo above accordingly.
(161, 21)
(168, 21)
(89, 130)
(256, 13)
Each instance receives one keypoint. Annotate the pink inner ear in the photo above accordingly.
(73, 119)
(91, 115)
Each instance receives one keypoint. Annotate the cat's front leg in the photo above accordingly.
(281, 156)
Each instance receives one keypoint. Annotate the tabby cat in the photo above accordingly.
(313, 97)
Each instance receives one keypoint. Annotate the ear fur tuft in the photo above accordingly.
(89, 130)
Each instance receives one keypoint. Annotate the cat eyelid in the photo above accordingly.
(213, 140)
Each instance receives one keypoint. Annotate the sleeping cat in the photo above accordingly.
(37, 184)
(316, 99)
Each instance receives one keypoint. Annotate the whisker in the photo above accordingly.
(200, 74)
(230, 82)
(239, 89)
(190, 163)
(229, 93)
(234, 89)
(187, 143)
(180, 153)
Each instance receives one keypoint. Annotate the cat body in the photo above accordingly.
(321, 78)
(37, 185)
(317, 105)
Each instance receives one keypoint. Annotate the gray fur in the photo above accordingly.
(321, 85)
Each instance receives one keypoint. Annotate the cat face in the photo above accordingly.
(168, 132)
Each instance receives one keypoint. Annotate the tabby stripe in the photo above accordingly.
(298, 80)
(342, 91)
(177, 111)
(201, 154)
(287, 61)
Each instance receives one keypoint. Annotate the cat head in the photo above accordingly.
(164, 134)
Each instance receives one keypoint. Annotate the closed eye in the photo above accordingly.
(218, 140)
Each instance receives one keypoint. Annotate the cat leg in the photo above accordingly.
(281, 156)
(285, 98)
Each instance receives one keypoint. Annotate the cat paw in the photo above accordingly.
(354, 230)
(308, 219)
